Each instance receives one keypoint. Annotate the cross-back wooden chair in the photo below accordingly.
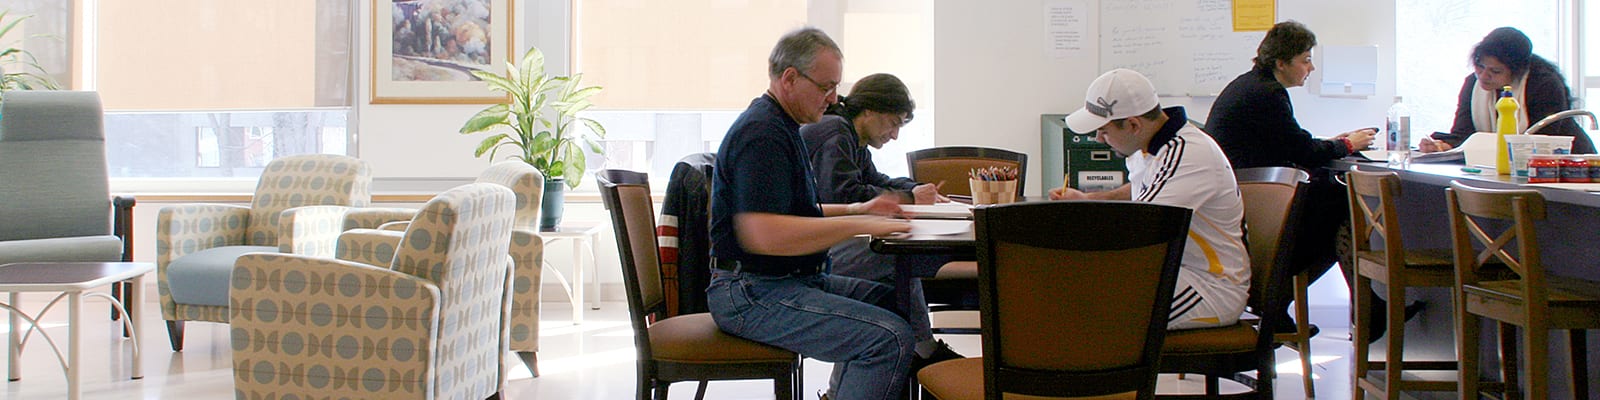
(1532, 299)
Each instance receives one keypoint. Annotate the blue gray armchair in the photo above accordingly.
(299, 205)
(55, 202)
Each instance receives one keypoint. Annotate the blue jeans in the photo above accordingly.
(854, 258)
(831, 318)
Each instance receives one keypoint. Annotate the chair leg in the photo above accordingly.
(1507, 334)
(643, 383)
(1537, 342)
(1302, 320)
(783, 386)
(1394, 353)
(1358, 332)
(1578, 343)
(1467, 331)
(799, 382)
(531, 360)
(175, 334)
(116, 293)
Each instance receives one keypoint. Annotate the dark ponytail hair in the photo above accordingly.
(883, 93)
(1508, 45)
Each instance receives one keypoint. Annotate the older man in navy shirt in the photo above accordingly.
(770, 236)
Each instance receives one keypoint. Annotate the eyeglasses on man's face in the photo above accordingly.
(825, 89)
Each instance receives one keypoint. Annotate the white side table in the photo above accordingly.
(583, 235)
(71, 280)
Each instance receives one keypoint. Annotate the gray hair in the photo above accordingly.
(799, 49)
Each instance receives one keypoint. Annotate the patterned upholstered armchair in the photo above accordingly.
(527, 249)
(298, 206)
(429, 325)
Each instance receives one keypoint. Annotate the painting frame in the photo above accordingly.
(419, 68)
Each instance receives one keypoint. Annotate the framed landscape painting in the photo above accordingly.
(423, 51)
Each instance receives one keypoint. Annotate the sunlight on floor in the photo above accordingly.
(1291, 366)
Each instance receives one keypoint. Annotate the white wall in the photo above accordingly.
(416, 142)
(993, 78)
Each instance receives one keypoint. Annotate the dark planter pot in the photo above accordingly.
(555, 193)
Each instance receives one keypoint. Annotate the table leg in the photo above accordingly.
(74, 346)
(135, 296)
(903, 264)
(13, 341)
(578, 281)
(594, 265)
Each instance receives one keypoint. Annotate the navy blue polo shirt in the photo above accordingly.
(761, 167)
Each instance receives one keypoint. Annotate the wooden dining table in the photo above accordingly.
(913, 250)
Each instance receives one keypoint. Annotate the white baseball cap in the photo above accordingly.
(1117, 94)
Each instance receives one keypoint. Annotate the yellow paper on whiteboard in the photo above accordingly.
(1254, 15)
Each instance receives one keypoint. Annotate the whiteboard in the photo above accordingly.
(1185, 47)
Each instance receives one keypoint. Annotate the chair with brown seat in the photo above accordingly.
(1530, 298)
(949, 165)
(686, 347)
(1374, 218)
(1270, 195)
(1271, 198)
(1112, 284)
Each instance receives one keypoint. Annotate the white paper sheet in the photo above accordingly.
(938, 211)
(939, 227)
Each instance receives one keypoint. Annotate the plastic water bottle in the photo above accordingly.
(1507, 107)
(1398, 133)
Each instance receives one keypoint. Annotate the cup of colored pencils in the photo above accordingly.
(993, 185)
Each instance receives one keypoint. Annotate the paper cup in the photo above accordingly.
(993, 192)
(1551, 144)
(1518, 148)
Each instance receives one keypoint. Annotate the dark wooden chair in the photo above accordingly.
(1528, 297)
(1374, 218)
(952, 288)
(683, 348)
(1270, 194)
(1115, 283)
(951, 164)
(1271, 199)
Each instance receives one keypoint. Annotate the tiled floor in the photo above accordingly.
(593, 360)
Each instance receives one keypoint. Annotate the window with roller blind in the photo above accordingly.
(196, 89)
(677, 73)
(215, 89)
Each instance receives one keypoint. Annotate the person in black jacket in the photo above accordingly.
(871, 115)
(1505, 58)
(878, 105)
(1253, 121)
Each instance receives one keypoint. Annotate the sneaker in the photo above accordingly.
(942, 352)
(1286, 324)
(1380, 322)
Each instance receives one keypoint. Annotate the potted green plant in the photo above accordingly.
(19, 70)
(541, 114)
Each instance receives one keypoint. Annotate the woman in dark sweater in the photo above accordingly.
(1505, 58)
(1253, 121)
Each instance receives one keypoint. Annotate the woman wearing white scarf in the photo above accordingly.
(1505, 58)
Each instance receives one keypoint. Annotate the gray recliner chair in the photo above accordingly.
(55, 202)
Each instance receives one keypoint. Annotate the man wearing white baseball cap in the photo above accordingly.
(1171, 162)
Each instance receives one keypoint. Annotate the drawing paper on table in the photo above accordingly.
(939, 211)
(939, 227)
